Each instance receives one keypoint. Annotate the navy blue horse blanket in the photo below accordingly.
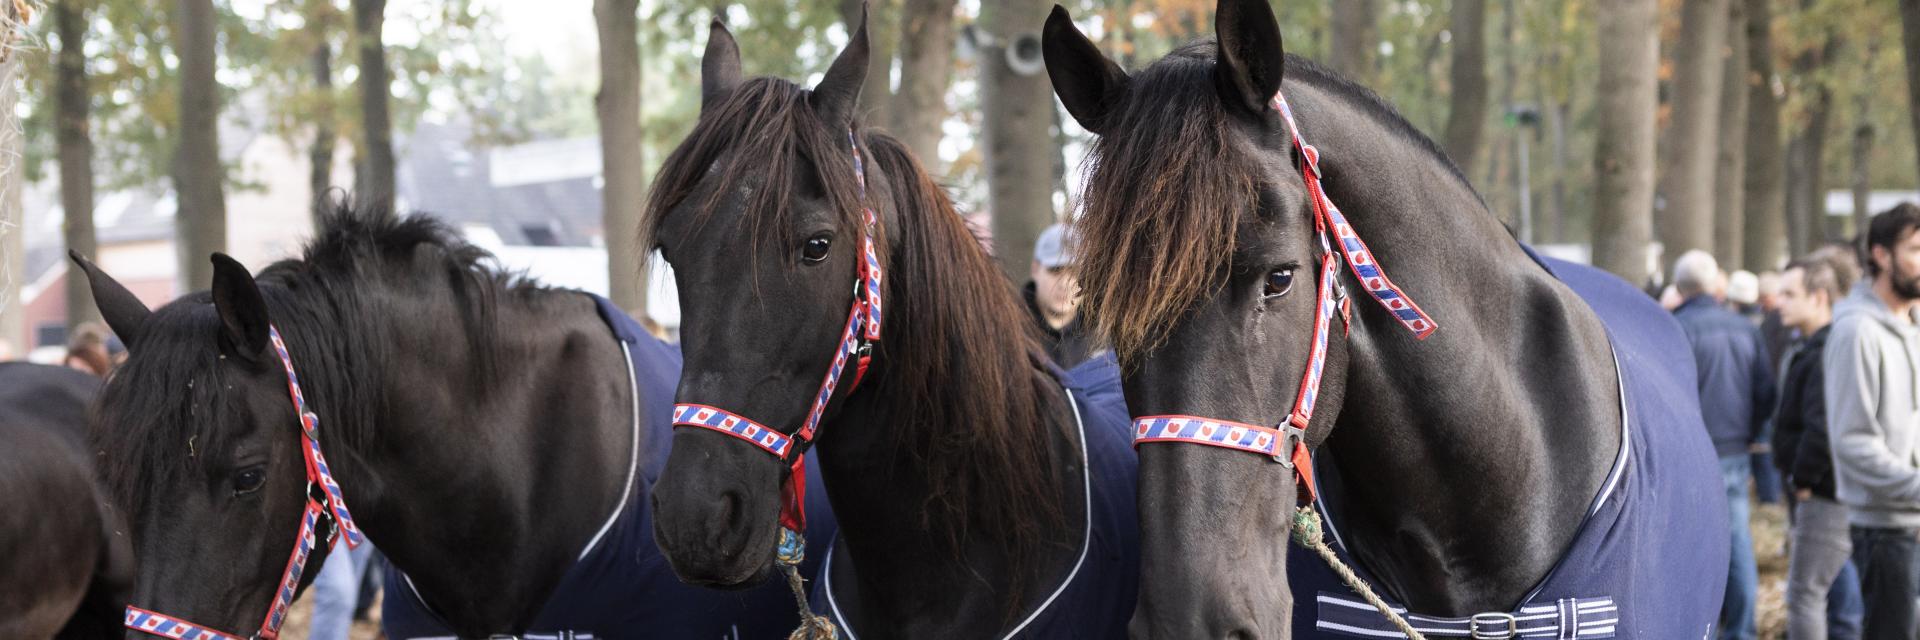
(1095, 598)
(1649, 561)
(622, 587)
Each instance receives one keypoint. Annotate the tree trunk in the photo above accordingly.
(374, 180)
(1557, 200)
(198, 176)
(1356, 36)
(13, 246)
(926, 63)
(1017, 113)
(876, 98)
(1910, 32)
(1628, 96)
(320, 155)
(1729, 194)
(72, 103)
(1467, 114)
(622, 167)
(1765, 167)
(1805, 183)
(1862, 156)
(1688, 168)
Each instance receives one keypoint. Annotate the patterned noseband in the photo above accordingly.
(324, 507)
(1286, 443)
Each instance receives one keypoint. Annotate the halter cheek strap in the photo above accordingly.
(324, 506)
(1286, 443)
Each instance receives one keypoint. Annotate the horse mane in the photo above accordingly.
(1168, 188)
(952, 317)
(957, 318)
(166, 404)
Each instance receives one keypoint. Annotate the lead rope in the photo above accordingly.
(813, 626)
(1306, 531)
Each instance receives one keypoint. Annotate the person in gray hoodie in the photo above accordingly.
(1872, 366)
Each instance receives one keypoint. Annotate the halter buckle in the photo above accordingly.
(1508, 626)
(318, 495)
(1310, 159)
(1291, 436)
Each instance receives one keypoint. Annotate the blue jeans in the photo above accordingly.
(1766, 479)
(336, 590)
(1888, 580)
(1845, 607)
(1743, 576)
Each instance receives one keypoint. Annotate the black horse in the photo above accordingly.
(493, 437)
(981, 492)
(1500, 475)
(68, 563)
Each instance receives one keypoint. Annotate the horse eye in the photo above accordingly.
(249, 480)
(816, 249)
(1279, 282)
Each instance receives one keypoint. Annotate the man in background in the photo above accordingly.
(1053, 298)
(1873, 417)
(1823, 589)
(1736, 397)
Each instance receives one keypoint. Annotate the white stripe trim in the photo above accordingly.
(1086, 541)
(633, 456)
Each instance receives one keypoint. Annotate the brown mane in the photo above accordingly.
(1166, 190)
(959, 360)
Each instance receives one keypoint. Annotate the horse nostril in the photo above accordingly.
(1242, 634)
(730, 511)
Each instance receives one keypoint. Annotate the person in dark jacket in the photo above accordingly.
(1823, 589)
(1736, 397)
(1052, 295)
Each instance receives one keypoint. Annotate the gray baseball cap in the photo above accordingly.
(1055, 247)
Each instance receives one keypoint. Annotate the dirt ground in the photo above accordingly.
(1770, 552)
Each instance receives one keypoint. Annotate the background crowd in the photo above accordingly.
(1808, 378)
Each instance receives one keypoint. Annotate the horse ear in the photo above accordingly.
(838, 94)
(1250, 63)
(243, 313)
(1088, 83)
(123, 312)
(719, 66)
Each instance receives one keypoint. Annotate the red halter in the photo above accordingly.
(856, 343)
(1286, 443)
(323, 504)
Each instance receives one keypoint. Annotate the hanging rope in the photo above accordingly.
(1306, 531)
(792, 550)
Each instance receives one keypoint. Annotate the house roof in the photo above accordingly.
(543, 193)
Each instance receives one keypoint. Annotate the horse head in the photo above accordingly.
(761, 214)
(1201, 264)
(200, 443)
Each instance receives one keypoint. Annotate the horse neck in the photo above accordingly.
(470, 462)
(908, 576)
(1471, 396)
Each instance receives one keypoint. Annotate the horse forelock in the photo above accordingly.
(1167, 189)
(762, 136)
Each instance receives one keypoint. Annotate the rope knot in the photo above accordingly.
(1306, 527)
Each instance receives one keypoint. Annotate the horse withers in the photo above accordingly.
(66, 558)
(830, 294)
(494, 438)
(1516, 454)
